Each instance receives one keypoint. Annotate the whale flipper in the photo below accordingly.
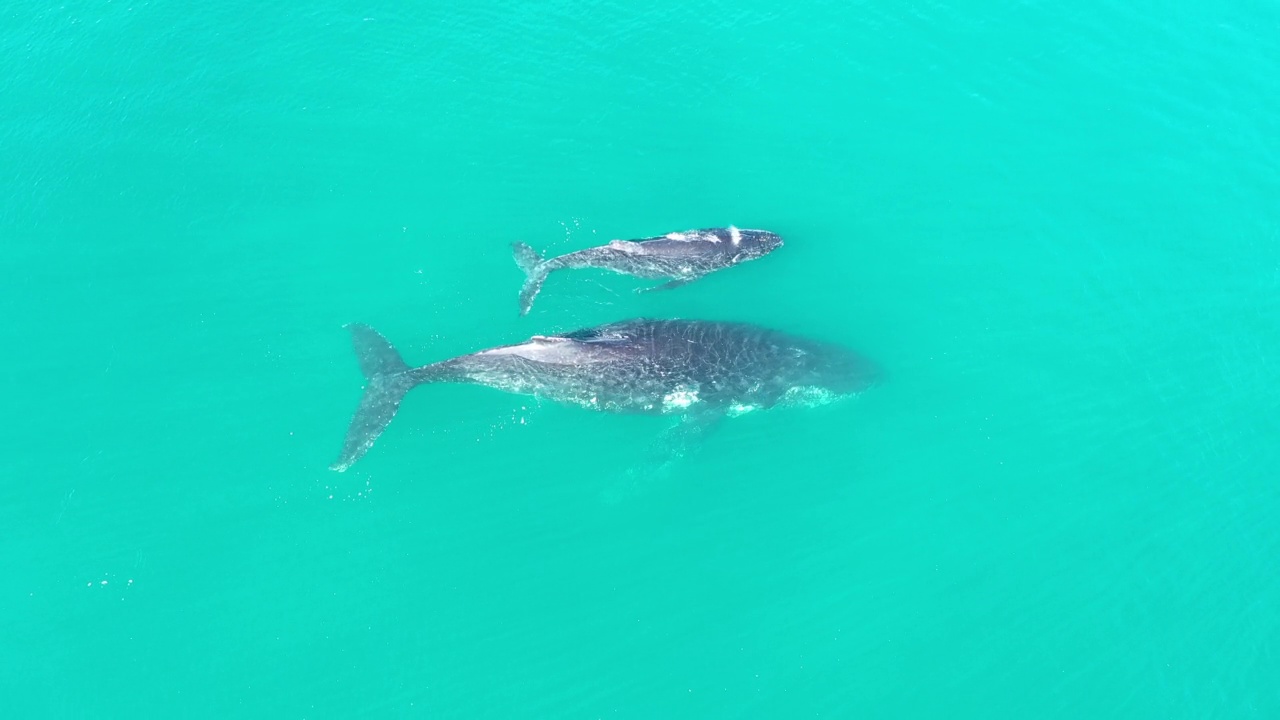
(693, 428)
(664, 454)
(389, 379)
(668, 285)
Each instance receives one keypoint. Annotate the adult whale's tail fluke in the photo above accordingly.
(535, 271)
(388, 377)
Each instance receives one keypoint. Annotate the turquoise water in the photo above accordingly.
(1055, 225)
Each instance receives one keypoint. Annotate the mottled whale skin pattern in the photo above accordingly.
(679, 257)
(635, 366)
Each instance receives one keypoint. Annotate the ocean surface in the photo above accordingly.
(1056, 225)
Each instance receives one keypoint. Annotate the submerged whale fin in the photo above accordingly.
(678, 282)
(535, 271)
(389, 378)
(663, 456)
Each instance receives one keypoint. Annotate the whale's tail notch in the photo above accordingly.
(388, 378)
(535, 273)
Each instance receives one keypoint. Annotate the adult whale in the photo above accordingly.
(700, 370)
(680, 257)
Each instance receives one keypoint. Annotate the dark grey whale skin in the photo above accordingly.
(679, 257)
(700, 370)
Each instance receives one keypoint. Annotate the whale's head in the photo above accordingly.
(751, 244)
(819, 373)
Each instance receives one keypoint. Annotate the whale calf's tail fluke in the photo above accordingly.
(535, 271)
(389, 378)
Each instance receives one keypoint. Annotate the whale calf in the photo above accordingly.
(698, 370)
(680, 257)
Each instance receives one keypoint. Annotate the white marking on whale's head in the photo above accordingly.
(676, 236)
(751, 244)
(679, 399)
